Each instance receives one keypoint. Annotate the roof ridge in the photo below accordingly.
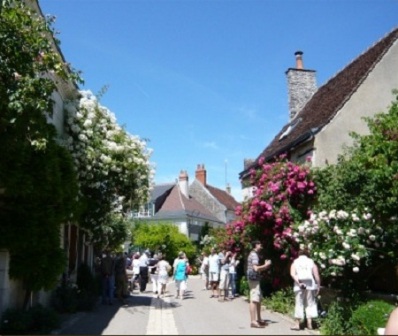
(180, 196)
(328, 100)
(395, 30)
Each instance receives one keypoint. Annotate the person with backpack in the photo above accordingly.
(307, 284)
(180, 276)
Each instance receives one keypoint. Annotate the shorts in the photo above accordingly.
(224, 280)
(213, 277)
(255, 291)
(181, 285)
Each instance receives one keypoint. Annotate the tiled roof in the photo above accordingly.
(327, 100)
(223, 197)
(177, 205)
(160, 189)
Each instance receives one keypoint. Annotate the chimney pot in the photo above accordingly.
(200, 174)
(299, 60)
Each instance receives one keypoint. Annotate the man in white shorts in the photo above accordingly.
(214, 272)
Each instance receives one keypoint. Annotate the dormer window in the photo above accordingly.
(289, 128)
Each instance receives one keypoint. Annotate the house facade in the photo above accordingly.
(189, 207)
(322, 119)
(217, 201)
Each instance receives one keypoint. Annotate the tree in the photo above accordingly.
(162, 237)
(38, 186)
(114, 171)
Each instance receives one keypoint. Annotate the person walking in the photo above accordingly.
(204, 270)
(163, 269)
(107, 278)
(144, 272)
(180, 276)
(307, 283)
(253, 274)
(232, 274)
(214, 272)
(225, 259)
(136, 271)
(152, 266)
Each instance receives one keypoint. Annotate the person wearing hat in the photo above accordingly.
(253, 275)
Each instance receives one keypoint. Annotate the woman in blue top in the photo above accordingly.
(180, 276)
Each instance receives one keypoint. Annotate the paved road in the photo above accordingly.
(198, 314)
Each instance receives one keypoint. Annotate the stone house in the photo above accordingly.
(220, 202)
(321, 119)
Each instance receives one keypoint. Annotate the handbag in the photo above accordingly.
(252, 275)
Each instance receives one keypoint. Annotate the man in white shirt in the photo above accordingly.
(144, 274)
(214, 272)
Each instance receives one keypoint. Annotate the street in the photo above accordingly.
(197, 314)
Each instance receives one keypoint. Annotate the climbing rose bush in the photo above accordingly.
(283, 191)
(113, 167)
(347, 246)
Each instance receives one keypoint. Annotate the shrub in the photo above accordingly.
(244, 287)
(36, 320)
(335, 321)
(88, 288)
(64, 298)
(370, 316)
(281, 301)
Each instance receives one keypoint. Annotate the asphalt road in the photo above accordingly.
(197, 314)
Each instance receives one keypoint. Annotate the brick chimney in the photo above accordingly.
(301, 85)
(183, 183)
(200, 174)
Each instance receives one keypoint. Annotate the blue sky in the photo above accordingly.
(204, 80)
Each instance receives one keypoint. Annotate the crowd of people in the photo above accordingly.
(218, 270)
(123, 273)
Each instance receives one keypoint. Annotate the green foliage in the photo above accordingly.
(82, 296)
(65, 298)
(113, 232)
(162, 237)
(348, 247)
(335, 322)
(281, 301)
(364, 182)
(38, 186)
(244, 287)
(366, 175)
(34, 321)
(368, 317)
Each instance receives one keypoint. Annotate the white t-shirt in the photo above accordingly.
(143, 260)
(136, 266)
(162, 267)
(214, 263)
(205, 263)
(304, 261)
(232, 265)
